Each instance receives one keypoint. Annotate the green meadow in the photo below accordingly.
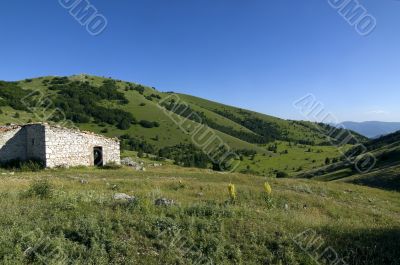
(320, 211)
(69, 216)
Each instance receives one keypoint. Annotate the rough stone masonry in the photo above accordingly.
(56, 146)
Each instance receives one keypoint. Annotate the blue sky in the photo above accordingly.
(261, 55)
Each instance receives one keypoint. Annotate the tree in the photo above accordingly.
(124, 124)
(327, 161)
(282, 174)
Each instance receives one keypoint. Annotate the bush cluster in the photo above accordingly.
(23, 165)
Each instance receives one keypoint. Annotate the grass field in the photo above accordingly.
(70, 216)
(75, 220)
(297, 158)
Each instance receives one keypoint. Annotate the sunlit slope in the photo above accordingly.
(239, 128)
(385, 173)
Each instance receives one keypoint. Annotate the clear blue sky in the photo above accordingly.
(258, 54)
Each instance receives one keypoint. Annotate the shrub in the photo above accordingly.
(136, 144)
(282, 174)
(31, 165)
(327, 161)
(80, 103)
(40, 188)
(208, 210)
(25, 166)
(124, 124)
(11, 94)
(186, 155)
(149, 124)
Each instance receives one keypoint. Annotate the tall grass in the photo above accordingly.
(65, 221)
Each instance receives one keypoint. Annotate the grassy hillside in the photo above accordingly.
(385, 174)
(70, 217)
(288, 158)
(298, 131)
(117, 108)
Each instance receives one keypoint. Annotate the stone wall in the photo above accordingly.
(55, 146)
(75, 148)
(35, 142)
(12, 143)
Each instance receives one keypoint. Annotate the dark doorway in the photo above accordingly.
(98, 156)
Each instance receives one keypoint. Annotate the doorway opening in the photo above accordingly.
(98, 156)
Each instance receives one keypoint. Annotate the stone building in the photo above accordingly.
(56, 146)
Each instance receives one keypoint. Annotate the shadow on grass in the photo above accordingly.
(366, 246)
(391, 183)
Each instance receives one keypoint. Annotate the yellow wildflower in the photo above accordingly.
(267, 188)
(232, 191)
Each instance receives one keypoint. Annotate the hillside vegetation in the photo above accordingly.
(145, 120)
(385, 174)
(185, 208)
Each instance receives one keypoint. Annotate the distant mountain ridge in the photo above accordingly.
(372, 129)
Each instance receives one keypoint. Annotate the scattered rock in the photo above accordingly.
(83, 181)
(63, 166)
(286, 207)
(124, 197)
(138, 166)
(305, 206)
(127, 161)
(164, 202)
(28, 251)
(5, 173)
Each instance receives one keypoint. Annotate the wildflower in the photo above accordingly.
(232, 191)
(267, 188)
(267, 195)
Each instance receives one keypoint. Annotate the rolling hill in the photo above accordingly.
(148, 121)
(169, 214)
(385, 174)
